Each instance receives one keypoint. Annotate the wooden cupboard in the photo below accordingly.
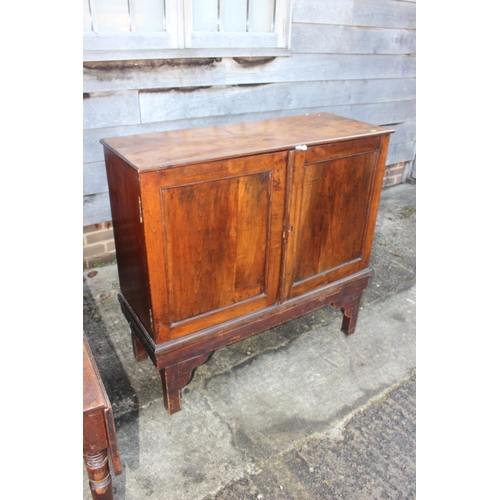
(223, 232)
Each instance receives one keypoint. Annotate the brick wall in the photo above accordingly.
(394, 174)
(99, 245)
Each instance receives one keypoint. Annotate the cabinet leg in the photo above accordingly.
(139, 352)
(175, 377)
(99, 477)
(349, 319)
(171, 389)
(349, 304)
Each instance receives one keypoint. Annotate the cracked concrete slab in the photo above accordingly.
(309, 385)
(187, 454)
(372, 458)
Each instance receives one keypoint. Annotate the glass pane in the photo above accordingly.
(87, 22)
(262, 15)
(112, 15)
(149, 15)
(205, 15)
(235, 15)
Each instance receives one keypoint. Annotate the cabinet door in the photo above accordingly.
(222, 234)
(332, 209)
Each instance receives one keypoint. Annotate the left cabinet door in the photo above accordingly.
(222, 239)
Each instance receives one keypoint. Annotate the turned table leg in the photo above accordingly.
(99, 477)
(99, 433)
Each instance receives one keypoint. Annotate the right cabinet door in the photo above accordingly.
(332, 209)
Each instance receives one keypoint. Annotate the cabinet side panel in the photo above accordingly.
(375, 199)
(129, 235)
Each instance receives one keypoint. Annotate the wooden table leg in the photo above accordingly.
(99, 477)
(99, 433)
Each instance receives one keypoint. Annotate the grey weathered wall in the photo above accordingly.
(355, 58)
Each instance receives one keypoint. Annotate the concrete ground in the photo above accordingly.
(298, 412)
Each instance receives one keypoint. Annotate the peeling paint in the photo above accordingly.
(150, 64)
(251, 84)
(90, 95)
(250, 62)
(183, 90)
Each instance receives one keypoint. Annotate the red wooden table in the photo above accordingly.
(99, 434)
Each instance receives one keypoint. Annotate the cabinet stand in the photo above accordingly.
(177, 360)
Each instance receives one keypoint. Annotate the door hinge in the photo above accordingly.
(140, 209)
(286, 231)
(151, 320)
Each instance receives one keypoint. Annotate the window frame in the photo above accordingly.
(179, 41)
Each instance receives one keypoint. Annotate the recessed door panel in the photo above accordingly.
(333, 214)
(218, 254)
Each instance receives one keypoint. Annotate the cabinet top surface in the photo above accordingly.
(178, 147)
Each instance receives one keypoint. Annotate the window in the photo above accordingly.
(145, 27)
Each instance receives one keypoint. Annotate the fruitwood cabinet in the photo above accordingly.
(223, 232)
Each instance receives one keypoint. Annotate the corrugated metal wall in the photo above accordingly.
(355, 58)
